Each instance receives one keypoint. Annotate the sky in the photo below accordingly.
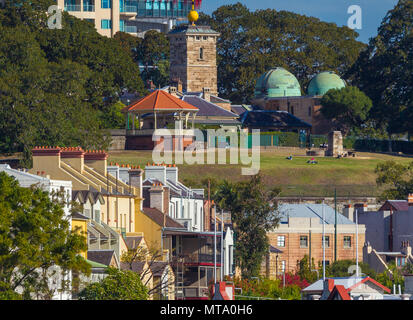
(373, 11)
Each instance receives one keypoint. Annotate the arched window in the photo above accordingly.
(201, 53)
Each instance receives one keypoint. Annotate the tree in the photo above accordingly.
(35, 241)
(54, 83)
(384, 70)
(153, 54)
(253, 42)
(396, 177)
(307, 270)
(117, 285)
(391, 276)
(253, 213)
(151, 255)
(340, 268)
(348, 107)
(112, 116)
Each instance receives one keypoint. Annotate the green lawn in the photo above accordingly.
(350, 176)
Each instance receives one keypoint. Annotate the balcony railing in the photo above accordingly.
(134, 29)
(129, 7)
(202, 258)
(195, 292)
(89, 7)
(73, 7)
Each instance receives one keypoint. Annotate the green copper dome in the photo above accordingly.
(323, 82)
(277, 82)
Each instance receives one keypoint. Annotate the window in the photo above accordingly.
(198, 38)
(122, 25)
(281, 241)
(201, 53)
(97, 216)
(327, 262)
(87, 212)
(347, 242)
(303, 241)
(401, 261)
(205, 38)
(292, 110)
(309, 111)
(326, 241)
(106, 24)
(106, 4)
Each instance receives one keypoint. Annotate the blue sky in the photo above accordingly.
(373, 11)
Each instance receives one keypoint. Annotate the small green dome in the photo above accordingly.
(323, 82)
(277, 82)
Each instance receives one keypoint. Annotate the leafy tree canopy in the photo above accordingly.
(151, 52)
(397, 178)
(348, 107)
(34, 236)
(384, 70)
(253, 42)
(253, 213)
(55, 84)
(118, 285)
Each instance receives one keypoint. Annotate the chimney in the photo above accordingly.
(45, 158)
(157, 198)
(410, 199)
(206, 94)
(135, 180)
(172, 173)
(406, 248)
(179, 86)
(96, 159)
(73, 156)
(348, 212)
(328, 285)
(360, 207)
(156, 172)
(124, 173)
(172, 91)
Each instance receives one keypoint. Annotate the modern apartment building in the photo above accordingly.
(134, 17)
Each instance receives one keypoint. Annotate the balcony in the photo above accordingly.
(129, 8)
(194, 292)
(73, 7)
(89, 7)
(197, 258)
(134, 29)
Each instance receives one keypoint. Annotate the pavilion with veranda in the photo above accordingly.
(158, 110)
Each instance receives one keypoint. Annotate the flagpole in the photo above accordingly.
(324, 249)
(222, 245)
(215, 245)
(357, 245)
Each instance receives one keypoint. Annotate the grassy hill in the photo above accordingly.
(351, 176)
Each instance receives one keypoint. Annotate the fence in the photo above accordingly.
(294, 139)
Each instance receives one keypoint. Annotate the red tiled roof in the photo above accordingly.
(370, 280)
(341, 291)
(159, 100)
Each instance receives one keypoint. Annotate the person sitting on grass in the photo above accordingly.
(289, 158)
(312, 161)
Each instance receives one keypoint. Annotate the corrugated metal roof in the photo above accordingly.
(207, 108)
(311, 211)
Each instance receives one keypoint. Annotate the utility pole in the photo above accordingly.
(335, 224)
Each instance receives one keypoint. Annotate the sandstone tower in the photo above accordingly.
(193, 57)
